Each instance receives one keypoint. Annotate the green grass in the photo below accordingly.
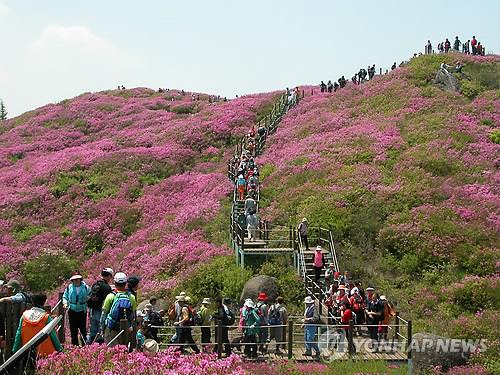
(25, 232)
(366, 367)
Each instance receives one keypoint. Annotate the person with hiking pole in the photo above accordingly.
(118, 305)
(74, 300)
(98, 293)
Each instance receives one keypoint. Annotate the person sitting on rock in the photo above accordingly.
(444, 67)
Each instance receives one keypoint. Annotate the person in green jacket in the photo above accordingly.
(121, 302)
(31, 323)
(251, 320)
(205, 322)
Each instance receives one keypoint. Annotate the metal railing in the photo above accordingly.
(348, 339)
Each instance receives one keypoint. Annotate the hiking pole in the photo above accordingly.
(83, 338)
(114, 338)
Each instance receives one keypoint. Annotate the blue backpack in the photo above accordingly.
(120, 309)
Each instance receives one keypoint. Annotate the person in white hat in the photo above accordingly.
(206, 319)
(185, 322)
(98, 293)
(175, 315)
(311, 318)
(318, 260)
(151, 347)
(302, 229)
(251, 321)
(110, 323)
(74, 300)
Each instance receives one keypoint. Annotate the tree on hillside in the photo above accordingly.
(3, 111)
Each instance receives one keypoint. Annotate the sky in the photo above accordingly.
(54, 49)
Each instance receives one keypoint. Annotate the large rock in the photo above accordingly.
(447, 81)
(430, 350)
(257, 284)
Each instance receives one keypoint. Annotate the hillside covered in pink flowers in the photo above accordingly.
(407, 176)
(125, 178)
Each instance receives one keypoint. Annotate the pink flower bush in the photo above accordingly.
(100, 360)
(123, 178)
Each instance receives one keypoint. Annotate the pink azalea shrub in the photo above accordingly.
(123, 178)
(100, 360)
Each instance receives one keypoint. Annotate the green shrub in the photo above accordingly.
(93, 242)
(494, 136)
(44, 272)
(184, 109)
(289, 282)
(471, 89)
(128, 220)
(24, 232)
(486, 121)
(423, 69)
(218, 277)
(3, 272)
(216, 229)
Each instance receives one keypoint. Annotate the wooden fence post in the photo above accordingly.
(350, 341)
(409, 349)
(290, 338)
(123, 339)
(219, 338)
(410, 333)
(60, 311)
(9, 338)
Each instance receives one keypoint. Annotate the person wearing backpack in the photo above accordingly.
(225, 317)
(118, 305)
(185, 323)
(31, 323)
(302, 228)
(278, 318)
(263, 332)
(74, 300)
(310, 321)
(98, 293)
(251, 321)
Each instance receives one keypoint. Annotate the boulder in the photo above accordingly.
(430, 350)
(447, 81)
(257, 284)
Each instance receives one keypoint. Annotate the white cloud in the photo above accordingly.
(4, 9)
(70, 39)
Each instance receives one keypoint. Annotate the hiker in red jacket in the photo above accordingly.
(318, 260)
(473, 44)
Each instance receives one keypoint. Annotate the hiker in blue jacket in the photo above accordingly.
(75, 299)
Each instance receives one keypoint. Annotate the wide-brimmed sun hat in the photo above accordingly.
(206, 301)
(308, 300)
(151, 346)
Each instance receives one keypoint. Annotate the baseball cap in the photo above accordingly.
(120, 278)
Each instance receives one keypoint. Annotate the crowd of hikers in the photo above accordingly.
(471, 47)
(96, 312)
(359, 77)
